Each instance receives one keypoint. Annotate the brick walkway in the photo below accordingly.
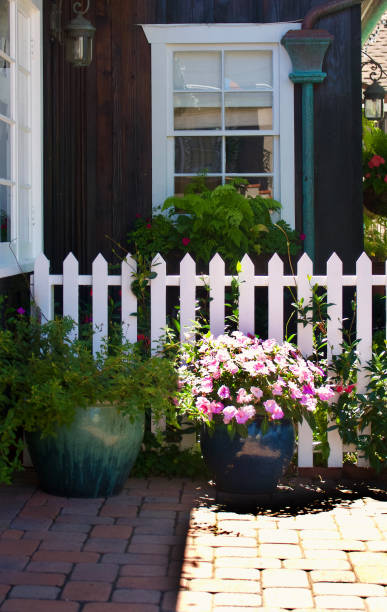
(163, 546)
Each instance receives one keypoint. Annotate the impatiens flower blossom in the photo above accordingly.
(270, 405)
(256, 392)
(231, 367)
(277, 413)
(244, 413)
(243, 397)
(216, 407)
(203, 404)
(224, 392)
(228, 414)
(325, 393)
(21, 311)
(206, 386)
(186, 241)
(233, 377)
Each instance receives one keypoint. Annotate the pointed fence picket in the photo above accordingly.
(301, 285)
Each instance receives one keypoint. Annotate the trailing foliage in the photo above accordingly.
(46, 376)
(374, 158)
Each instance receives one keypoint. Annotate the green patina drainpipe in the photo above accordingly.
(307, 48)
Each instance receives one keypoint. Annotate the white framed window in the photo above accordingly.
(20, 135)
(222, 103)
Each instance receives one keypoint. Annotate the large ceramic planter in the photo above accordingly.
(90, 458)
(249, 466)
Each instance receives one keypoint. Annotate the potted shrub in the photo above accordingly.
(83, 416)
(247, 394)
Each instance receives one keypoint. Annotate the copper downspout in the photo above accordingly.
(326, 9)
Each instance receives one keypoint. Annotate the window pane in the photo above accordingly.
(182, 182)
(23, 99)
(5, 213)
(257, 185)
(5, 151)
(249, 154)
(5, 88)
(248, 111)
(197, 70)
(194, 111)
(195, 154)
(248, 70)
(4, 26)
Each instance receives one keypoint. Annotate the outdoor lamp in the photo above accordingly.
(79, 38)
(374, 101)
(374, 93)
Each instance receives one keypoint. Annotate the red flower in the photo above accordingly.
(186, 241)
(91, 292)
(138, 216)
(376, 161)
(385, 179)
(302, 236)
(349, 388)
(148, 225)
(339, 388)
(368, 175)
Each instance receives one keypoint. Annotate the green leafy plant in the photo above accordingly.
(374, 158)
(375, 236)
(353, 411)
(46, 376)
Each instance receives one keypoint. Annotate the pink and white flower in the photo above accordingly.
(224, 392)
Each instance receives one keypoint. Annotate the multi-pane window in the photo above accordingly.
(222, 104)
(223, 117)
(20, 133)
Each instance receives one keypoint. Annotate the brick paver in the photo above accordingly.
(164, 546)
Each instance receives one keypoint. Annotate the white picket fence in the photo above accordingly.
(43, 284)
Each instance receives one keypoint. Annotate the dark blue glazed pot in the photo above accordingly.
(251, 465)
(92, 457)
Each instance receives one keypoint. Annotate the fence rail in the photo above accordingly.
(334, 280)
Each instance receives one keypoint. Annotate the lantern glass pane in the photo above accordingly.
(373, 108)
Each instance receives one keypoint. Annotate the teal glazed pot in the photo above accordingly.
(92, 457)
(249, 465)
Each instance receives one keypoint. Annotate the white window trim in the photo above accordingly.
(11, 262)
(165, 39)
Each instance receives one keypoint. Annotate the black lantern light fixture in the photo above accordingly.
(374, 94)
(79, 33)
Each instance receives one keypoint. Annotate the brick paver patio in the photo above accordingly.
(164, 546)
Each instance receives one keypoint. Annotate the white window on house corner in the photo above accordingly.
(20, 135)
(222, 105)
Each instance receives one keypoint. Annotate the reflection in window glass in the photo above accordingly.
(182, 183)
(249, 154)
(257, 185)
(197, 111)
(5, 88)
(4, 28)
(248, 70)
(5, 150)
(197, 71)
(5, 213)
(248, 111)
(195, 154)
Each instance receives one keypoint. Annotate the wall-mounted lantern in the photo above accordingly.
(79, 33)
(374, 93)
